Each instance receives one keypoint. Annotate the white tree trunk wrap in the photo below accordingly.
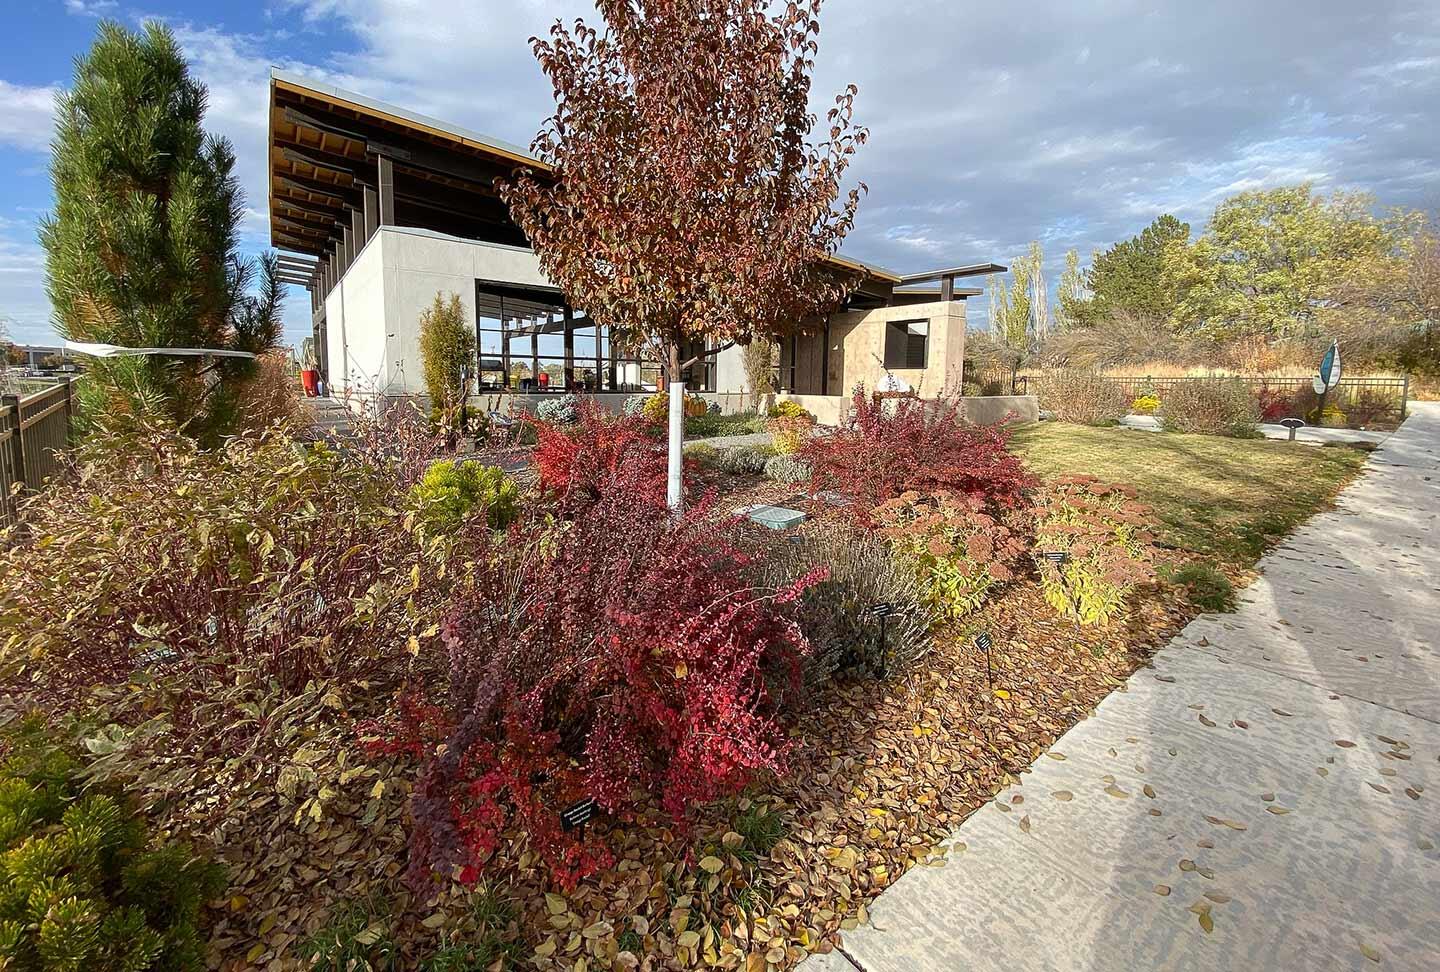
(675, 491)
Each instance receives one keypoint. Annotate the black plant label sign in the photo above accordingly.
(1056, 557)
(578, 814)
(881, 610)
(983, 641)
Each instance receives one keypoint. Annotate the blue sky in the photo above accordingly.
(1071, 123)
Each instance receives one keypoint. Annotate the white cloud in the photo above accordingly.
(92, 8)
(27, 115)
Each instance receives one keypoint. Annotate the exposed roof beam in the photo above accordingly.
(302, 120)
(341, 194)
(969, 270)
(309, 157)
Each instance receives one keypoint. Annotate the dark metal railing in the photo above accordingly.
(35, 433)
(1388, 394)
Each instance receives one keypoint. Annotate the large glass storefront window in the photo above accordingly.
(526, 341)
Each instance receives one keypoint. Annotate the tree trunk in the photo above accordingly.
(675, 487)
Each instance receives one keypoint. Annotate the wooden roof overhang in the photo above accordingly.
(324, 152)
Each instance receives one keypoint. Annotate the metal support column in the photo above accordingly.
(569, 348)
(386, 184)
(372, 212)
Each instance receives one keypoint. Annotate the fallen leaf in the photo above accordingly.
(1344, 744)
(711, 864)
(1064, 796)
(1162, 889)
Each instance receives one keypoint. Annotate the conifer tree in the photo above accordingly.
(141, 245)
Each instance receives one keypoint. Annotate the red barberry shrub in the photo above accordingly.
(599, 454)
(896, 445)
(621, 655)
(1105, 536)
(959, 547)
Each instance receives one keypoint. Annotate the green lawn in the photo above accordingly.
(1227, 499)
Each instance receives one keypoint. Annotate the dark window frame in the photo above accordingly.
(900, 345)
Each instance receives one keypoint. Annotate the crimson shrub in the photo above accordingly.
(892, 446)
(599, 453)
(619, 655)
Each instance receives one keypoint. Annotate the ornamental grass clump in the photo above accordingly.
(1103, 535)
(959, 548)
(836, 613)
(895, 446)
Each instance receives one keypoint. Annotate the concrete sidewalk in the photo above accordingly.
(1266, 797)
(1311, 435)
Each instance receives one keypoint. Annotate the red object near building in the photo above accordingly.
(544, 380)
(310, 381)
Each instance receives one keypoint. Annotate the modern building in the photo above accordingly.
(377, 210)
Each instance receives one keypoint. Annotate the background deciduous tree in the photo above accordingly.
(692, 199)
(141, 246)
(1272, 262)
(1072, 299)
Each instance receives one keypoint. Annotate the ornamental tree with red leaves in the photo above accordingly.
(622, 655)
(899, 445)
(687, 200)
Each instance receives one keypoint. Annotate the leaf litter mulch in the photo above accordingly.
(882, 772)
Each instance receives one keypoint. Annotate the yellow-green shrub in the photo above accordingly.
(1145, 404)
(452, 491)
(789, 409)
(80, 886)
(1104, 534)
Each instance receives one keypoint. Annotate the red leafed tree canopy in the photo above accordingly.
(693, 194)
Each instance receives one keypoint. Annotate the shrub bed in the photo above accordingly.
(1082, 397)
(1222, 406)
(598, 454)
(202, 604)
(958, 549)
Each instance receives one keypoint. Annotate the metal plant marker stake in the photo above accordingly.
(883, 610)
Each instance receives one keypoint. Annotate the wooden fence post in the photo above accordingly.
(17, 438)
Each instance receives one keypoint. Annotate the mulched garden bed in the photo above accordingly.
(882, 773)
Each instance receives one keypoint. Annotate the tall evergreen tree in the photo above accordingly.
(141, 245)
(1129, 276)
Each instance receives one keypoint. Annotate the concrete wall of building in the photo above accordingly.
(855, 352)
(355, 321)
(373, 313)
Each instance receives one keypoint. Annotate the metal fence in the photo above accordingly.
(34, 435)
(1376, 394)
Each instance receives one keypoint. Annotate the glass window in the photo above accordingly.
(907, 344)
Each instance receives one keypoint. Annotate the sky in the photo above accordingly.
(1072, 123)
